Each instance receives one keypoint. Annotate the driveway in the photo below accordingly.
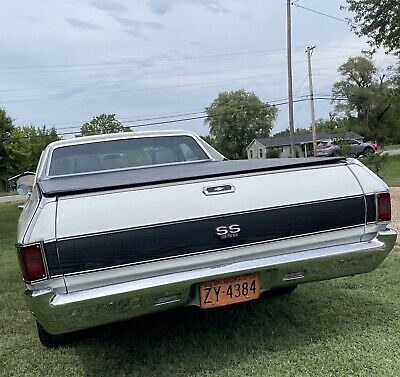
(395, 196)
(394, 152)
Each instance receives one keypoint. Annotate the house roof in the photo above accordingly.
(21, 175)
(278, 141)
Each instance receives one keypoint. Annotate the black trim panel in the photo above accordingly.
(172, 240)
(53, 265)
(371, 208)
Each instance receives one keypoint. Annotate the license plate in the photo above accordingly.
(226, 291)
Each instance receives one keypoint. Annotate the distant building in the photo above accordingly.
(26, 178)
(303, 143)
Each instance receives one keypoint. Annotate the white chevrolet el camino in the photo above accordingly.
(122, 225)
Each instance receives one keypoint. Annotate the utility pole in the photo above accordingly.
(290, 77)
(309, 51)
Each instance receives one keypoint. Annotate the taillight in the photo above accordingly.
(31, 261)
(384, 208)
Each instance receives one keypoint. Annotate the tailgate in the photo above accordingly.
(133, 227)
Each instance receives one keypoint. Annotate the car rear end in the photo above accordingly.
(99, 250)
(325, 148)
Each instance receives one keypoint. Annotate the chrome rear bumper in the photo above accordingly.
(61, 313)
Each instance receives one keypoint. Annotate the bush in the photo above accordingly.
(375, 161)
(343, 148)
(272, 153)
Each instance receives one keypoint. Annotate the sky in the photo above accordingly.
(64, 62)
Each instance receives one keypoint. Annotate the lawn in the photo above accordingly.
(8, 193)
(391, 171)
(344, 327)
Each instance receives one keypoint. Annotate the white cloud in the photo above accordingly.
(80, 24)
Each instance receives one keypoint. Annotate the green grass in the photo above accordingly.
(3, 193)
(344, 327)
(391, 171)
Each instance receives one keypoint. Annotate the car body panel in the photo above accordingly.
(355, 148)
(117, 252)
(116, 210)
(61, 313)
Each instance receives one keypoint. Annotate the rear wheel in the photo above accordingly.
(282, 291)
(368, 151)
(51, 340)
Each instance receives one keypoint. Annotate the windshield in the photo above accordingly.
(126, 153)
(324, 144)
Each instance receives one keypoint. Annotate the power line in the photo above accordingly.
(143, 89)
(78, 124)
(141, 120)
(97, 66)
(140, 79)
(320, 13)
(108, 92)
(63, 97)
(126, 65)
(169, 77)
(171, 121)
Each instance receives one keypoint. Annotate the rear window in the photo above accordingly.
(127, 153)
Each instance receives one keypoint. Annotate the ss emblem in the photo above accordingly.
(229, 231)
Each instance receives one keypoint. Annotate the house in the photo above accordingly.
(26, 178)
(303, 142)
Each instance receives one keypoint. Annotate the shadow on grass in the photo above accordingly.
(189, 341)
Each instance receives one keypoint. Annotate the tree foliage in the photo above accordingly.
(297, 131)
(209, 140)
(103, 124)
(379, 20)
(6, 128)
(376, 161)
(364, 100)
(25, 145)
(236, 118)
(272, 153)
(333, 125)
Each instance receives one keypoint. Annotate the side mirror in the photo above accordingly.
(23, 189)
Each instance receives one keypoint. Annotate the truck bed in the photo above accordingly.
(136, 177)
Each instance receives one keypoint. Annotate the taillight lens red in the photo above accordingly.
(384, 207)
(31, 261)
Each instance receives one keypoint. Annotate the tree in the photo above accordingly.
(377, 20)
(25, 145)
(103, 124)
(376, 161)
(333, 125)
(6, 128)
(394, 138)
(209, 140)
(363, 100)
(235, 119)
(297, 131)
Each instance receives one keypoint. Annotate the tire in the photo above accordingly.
(368, 151)
(282, 291)
(50, 340)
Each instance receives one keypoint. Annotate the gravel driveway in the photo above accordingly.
(395, 196)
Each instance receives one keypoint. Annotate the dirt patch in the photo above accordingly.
(395, 196)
